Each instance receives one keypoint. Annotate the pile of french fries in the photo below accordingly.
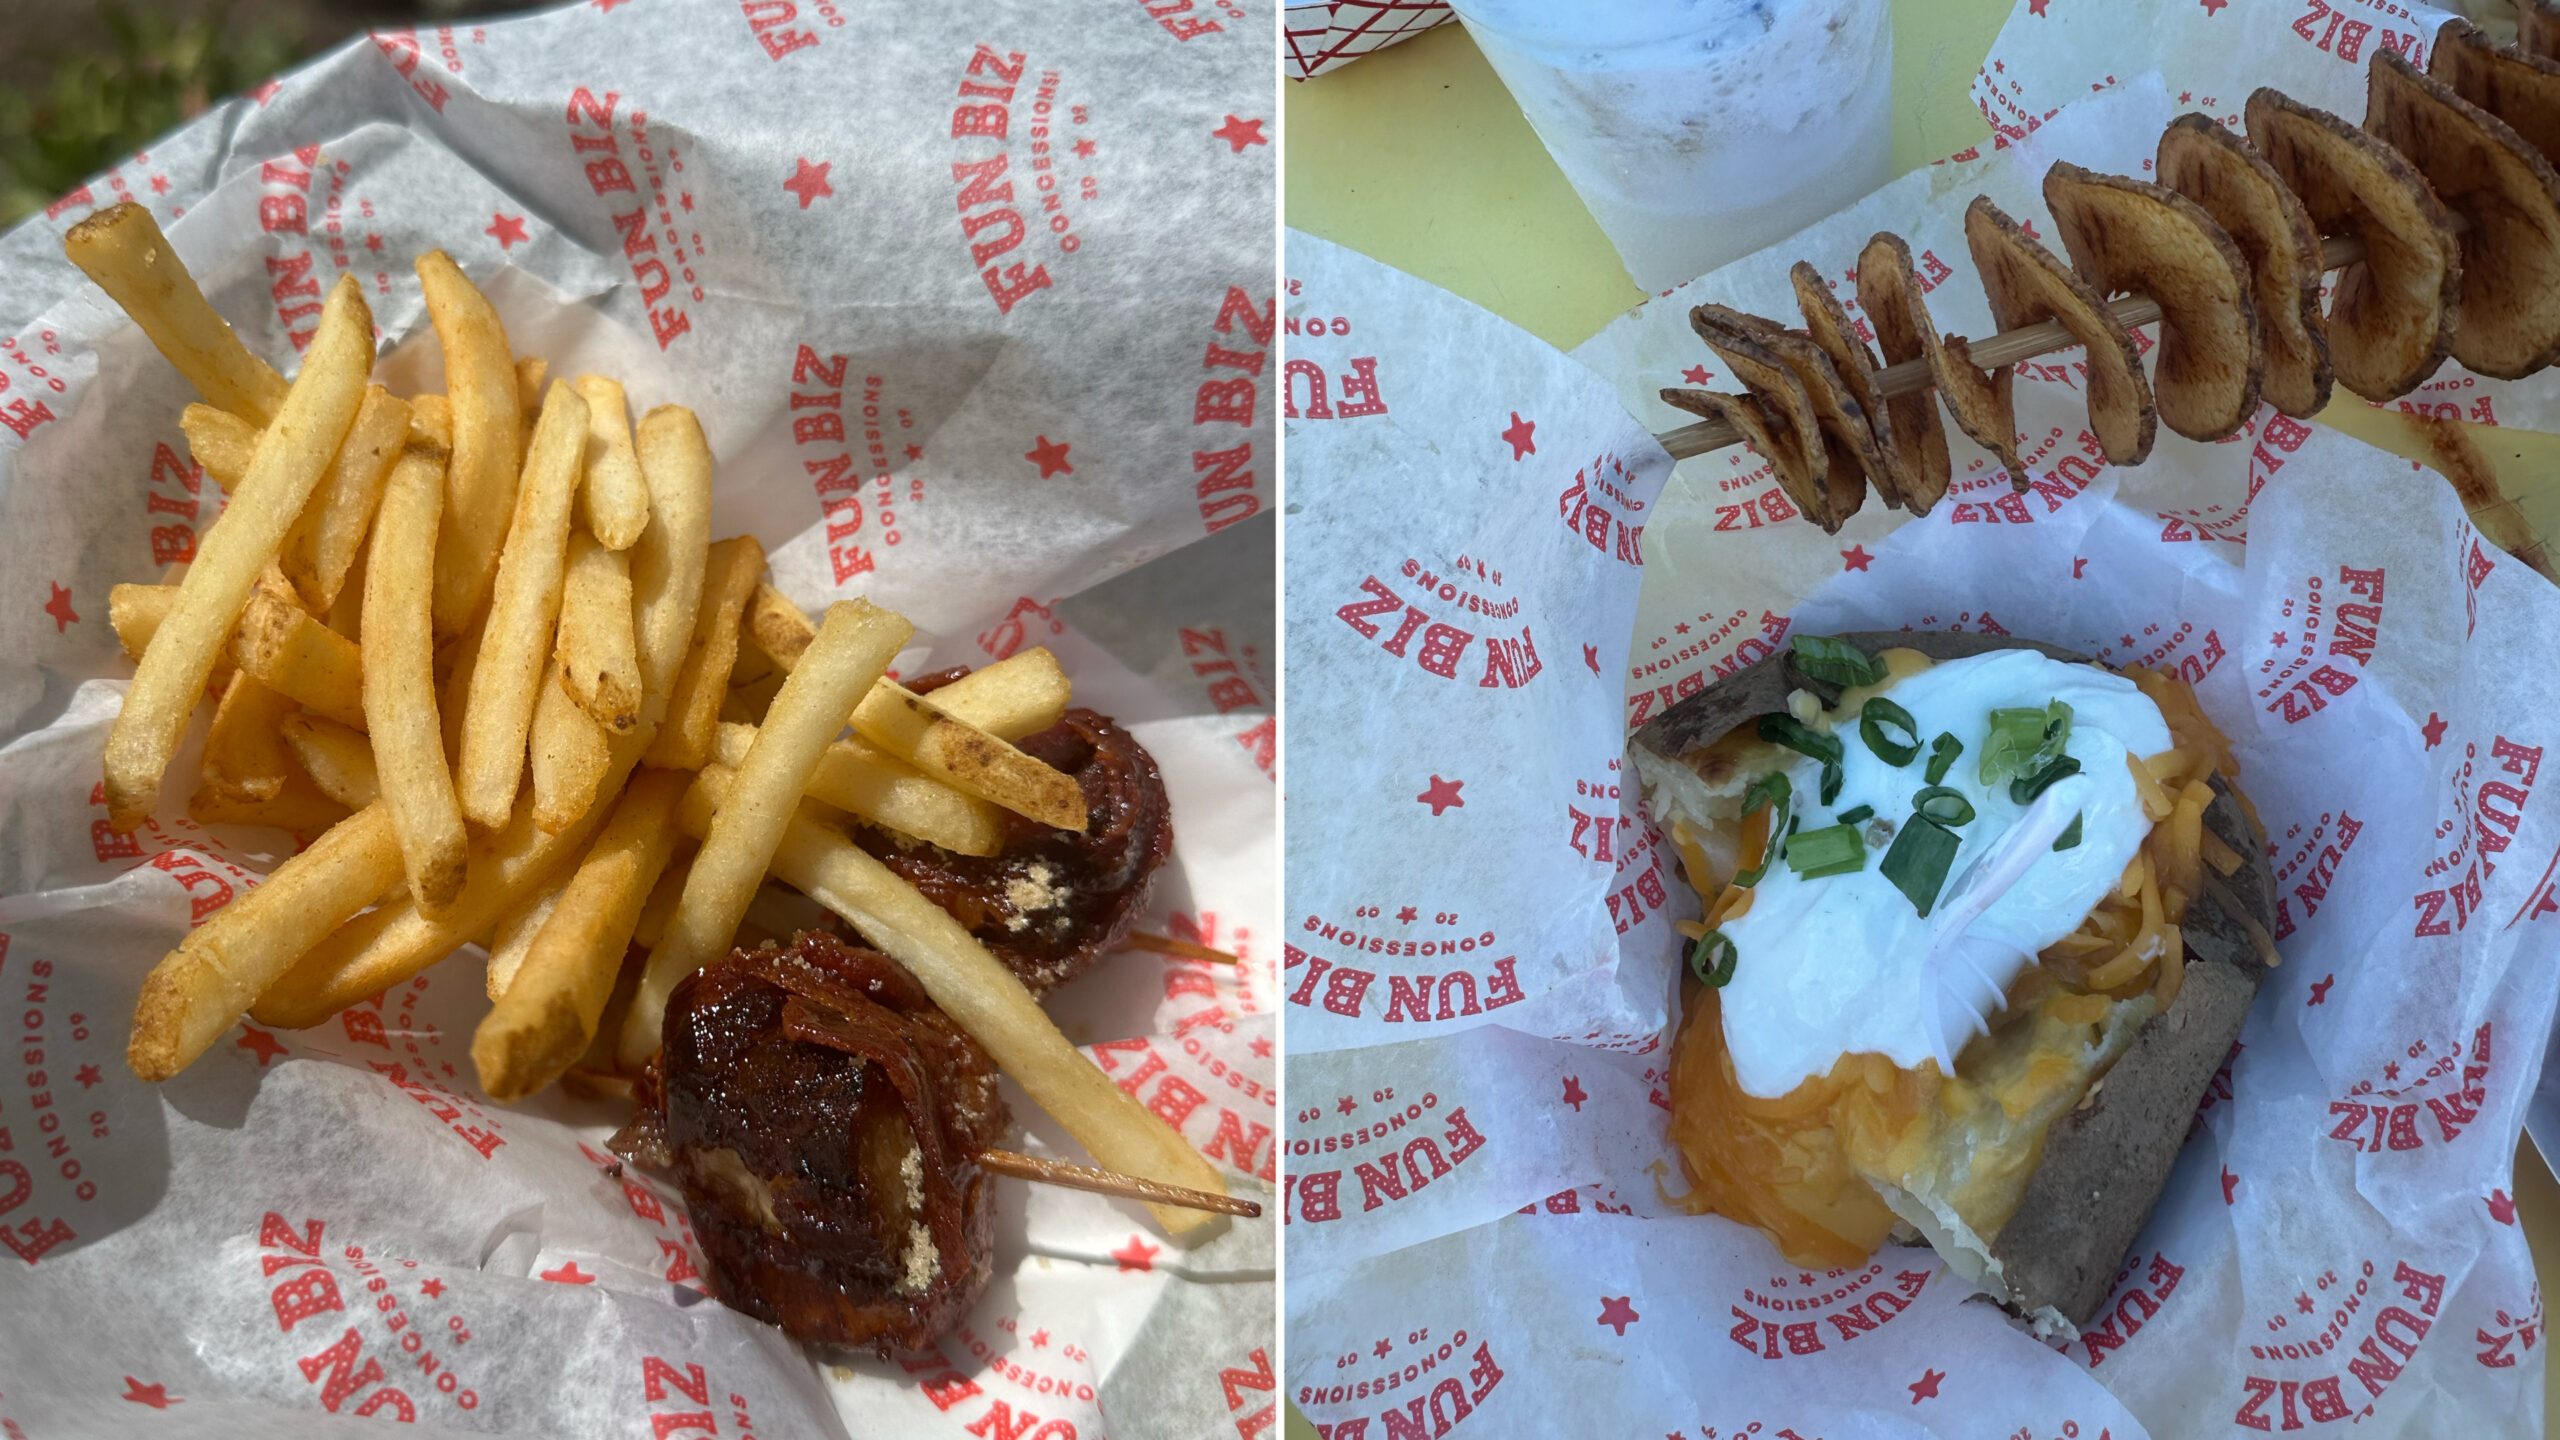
(483, 646)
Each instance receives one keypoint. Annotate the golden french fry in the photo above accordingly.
(515, 934)
(198, 989)
(399, 685)
(301, 807)
(136, 612)
(121, 248)
(979, 994)
(323, 544)
(530, 371)
(597, 648)
(488, 431)
(672, 554)
(221, 442)
(288, 651)
(747, 701)
(290, 459)
(245, 755)
(548, 1013)
(524, 605)
(692, 718)
(855, 644)
(431, 420)
(663, 899)
(346, 613)
(916, 730)
(852, 776)
(1021, 695)
(457, 660)
(617, 496)
(570, 755)
(780, 629)
(753, 667)
(338, 760)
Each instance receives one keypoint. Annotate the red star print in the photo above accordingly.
(2502, 1207)
(1855, 558)
(1617, 1314)
(2079, 566)
(2230, 1182)
(505, 229)
(373, 243)
(1051, 456)
(2277, 638)
(2212, 7)
(2320, 989)
(1345, 1105)
(88, 1076)
(1682, 627)
(264, 93)
(809, 182)
(1240, 133)
(1039, 1339)
(686, 200)
(2184, 96)
(1262, 1047)
(155, 1396)
(2391, 1071)
(569, 1274)
(159, 184)
(1591, 657)
(2433, 729)
(606, 6)
(59, 607)
(2035, 8)
(1443, 795)
(1926, 1387)
(1406, 914)
(1084, 149)
(1136, 1255)
(1697, 374)
(1804, 1279)
(1573, 1095)
(1520, 436)
(267, 1046)
(1380, 1349)
(915, 452)
(432, 1289)
(2302, 1302)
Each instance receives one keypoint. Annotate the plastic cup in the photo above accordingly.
(1698, 131)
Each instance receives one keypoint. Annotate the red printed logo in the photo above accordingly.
(607, 175)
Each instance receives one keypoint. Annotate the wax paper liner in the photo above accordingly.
(1325, 36)
(2367, 657)
(827, 231)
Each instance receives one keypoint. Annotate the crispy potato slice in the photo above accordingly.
(279, 642)
(121, 248)
(1786, 403)
(221, 442)
(2391, 316)
(2508, 310)
(322, 548)
(524, 611)
(1910, 437)
(1750, 419)
(2229, 180)
(487, 441)
(338, 760)
(597, 650)
(1889, 291)
(2538, 28)
(2518, 87)
(2027, 285)
(2126, 236)
(1850, 452)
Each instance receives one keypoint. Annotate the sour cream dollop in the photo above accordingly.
(1844, 965)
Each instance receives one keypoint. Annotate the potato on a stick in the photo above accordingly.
(598, 650)
(855, 644)
(121, 248)
(400, 707)
(524, 606)
(221, 442)
(617, 497)
(918, 731)
(323, 544)
(194, 994)
(854, 777)
(291, 457)
(488, 429)
(672, 554)
(570, 754)
(279, 642)
(548, 1013)
(338, 760)
(692, 718)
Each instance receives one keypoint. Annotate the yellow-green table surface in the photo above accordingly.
(1416, 156)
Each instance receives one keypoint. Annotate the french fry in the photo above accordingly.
(515, 934)
(548, 1013)
(597, 648)
(780, 629)
(663, 899)
(979, 994)
(136, 612)
(530, 372)
(346, 613)
(672, 554)
(245, 755)
(198, 989)
(524, 605)
(431, 419)
(121, 248)
(290, 652)
(855, 644)
(290, 459)
(854, 777)
(570, 755)
(916, 730)
(324, 542)
(301, 807)
(753, 665)
(457, 660)
(488, 431)
(690, 725)
(338, 760)
(617, 496)
(398, 682)
(1021, 695)
(747, 701)
(221, 442)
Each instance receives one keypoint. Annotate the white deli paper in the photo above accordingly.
(2337, 1245)
(940, 287)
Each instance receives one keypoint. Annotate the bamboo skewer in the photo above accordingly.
(1107, 1182)
(1179, 949)
(2006, 348)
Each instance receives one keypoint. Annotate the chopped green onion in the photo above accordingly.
(1770, 789)
(1918, 862)
(1836, 661)
(1832, 850)
(1942, 755)
(1803, 739)
(2070, 835)
(1830, 781)
(1872, 720)
(1858, 816)
(2026, 788)
(2024, 741)
(1943, 804)
(1711, 958)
